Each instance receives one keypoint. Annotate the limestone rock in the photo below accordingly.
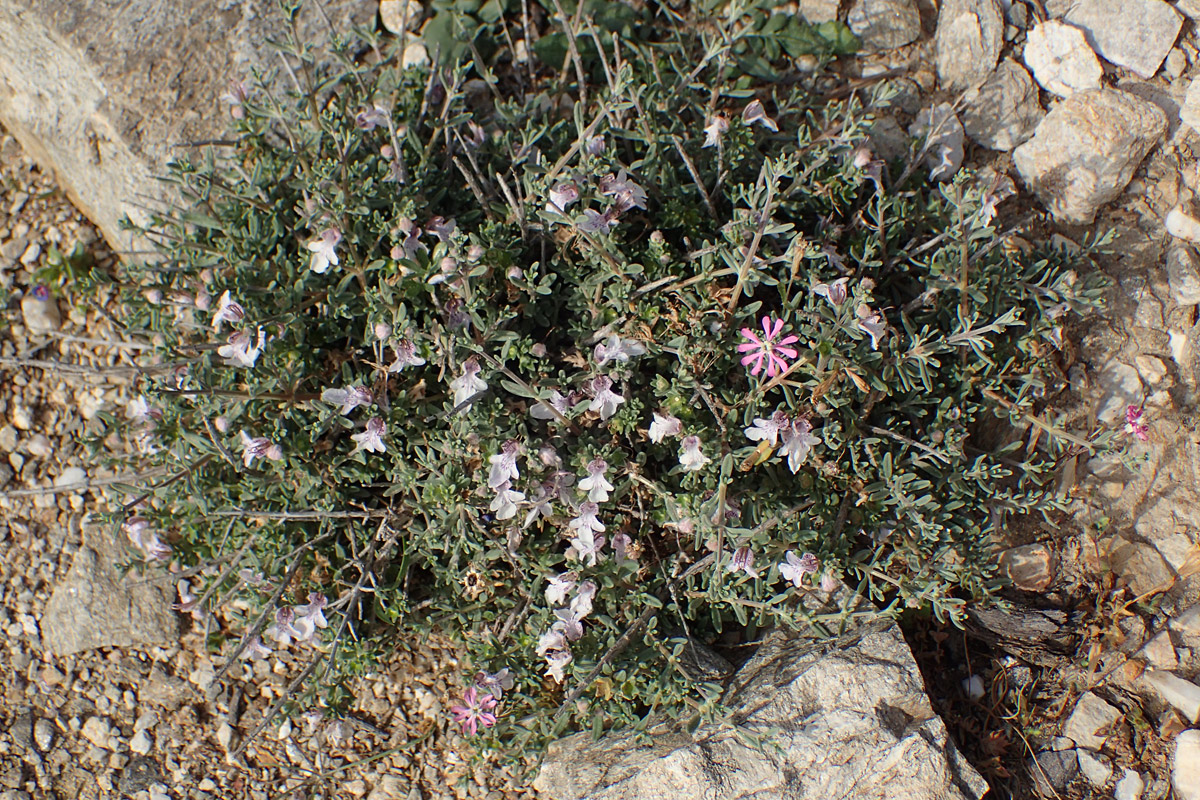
(1183, 695)
(105, 93)
(1142, 567)
(818, 11)
(1185, 765)
(1188, 621)
(1054, 770)
(1061, 60)
(1130, 787)
(885, 24)
(1096, 768)
(849, 719)
(1183, 274)
(1135, 34)
(1189, 112)
(945, 140)
(1122, 387)
(94, 606)
(1004, 111)
(1085, 151)
(1090, 717)
(40, 315)
(970, 34)
(399, 15)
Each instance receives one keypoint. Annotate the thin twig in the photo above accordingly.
(83, 486)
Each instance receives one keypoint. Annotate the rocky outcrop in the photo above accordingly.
(106, 93)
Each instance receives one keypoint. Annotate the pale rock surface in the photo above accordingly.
(846, 719)
(1183, 274)
(1160, 652)
(1085, 151)
(1060, 59)
(969, 36)
(1189, 7)
(396, 17)
(946, 139)
(884, 24)
(40, 316)
(1141, 566)
(94, 606)
(1121, 386)
(1130, 787)
(1182, 225)
(1091, 716)
(104, 93)
(1181, 694)
(1189, 112)
(1095, 767)
(1135, 34)
(1185, 765)
(1188, 621)
(818, 11)
(1054, 770)
(1004, 111)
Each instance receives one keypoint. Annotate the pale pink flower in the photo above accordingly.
(593, 221)
(595, 484)
(145, 538)
(570, 623)
(308, 618)
(540, 505)
(557, 663)
(581, 604)
(228, 310)
(550, 641)
(742, 561)
(562, 195)
(835, 291)
(406, 356)
(595, 145)
(559, 586)
(664, 425)
(255, 650)
(239, 352)
(139, 410)
(504, 464)
(715, 130)
(495, 684)
(349, 399)
(283, 631)
(441, 227)
(797, 442)
(604, 400)
(766, 349)
(690, 457)
(754, 112)
(546, 408)
(620, 546)
(371, 438)
(235, 97)
(259, 447)
(617, 349)
(627, 192)
(475, 712)
(768, 429)
(504, 504)
(370, 118)
(873, 323)
(1135, 423)
(324, 250)
(795, 569)
(468, 384)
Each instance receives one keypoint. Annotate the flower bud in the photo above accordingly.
(203, 300)
(153, 296)
(275, 452)
(206, 276)
(538, 350)
(475, 252)
(386, 151)
(448, 264)
(515, 273)
(382, 330)
(221, 424)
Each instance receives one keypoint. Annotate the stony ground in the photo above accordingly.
(147, 721)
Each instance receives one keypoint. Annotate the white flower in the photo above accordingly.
(586, 546)
(595, 145)
(238, 352)
(259, 447)
(551, 641)
(834, 292)
(372, 438)
(283, 631)
(581, 604)
(627, 192)
(559, 587)
(139, 410)
(541, 505)
(587, 520)
(690, 457)
(406, 356)
(546, 408)
(504, 464)
(348, 399)
(742, 561)
(468, 384)
(768, 429)
(754, 113)
(664, 425)
(620, 546)
(227, 311)
(324, 250)
(557, 662)
(617, 349)
(504, 504)
(714, 130)
(873, 323)
(569, 623)
(595, 484)
(604, 400)
(794, 568)
(145, 538)
(256, 650)
(797, 441)
(561, 197)
(308, 618)
(593, 221)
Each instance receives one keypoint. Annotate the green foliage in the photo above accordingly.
(914, 395)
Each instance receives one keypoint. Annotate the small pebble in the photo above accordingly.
(43, 734)
(142, 743)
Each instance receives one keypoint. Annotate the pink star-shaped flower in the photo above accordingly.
(766, 350)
